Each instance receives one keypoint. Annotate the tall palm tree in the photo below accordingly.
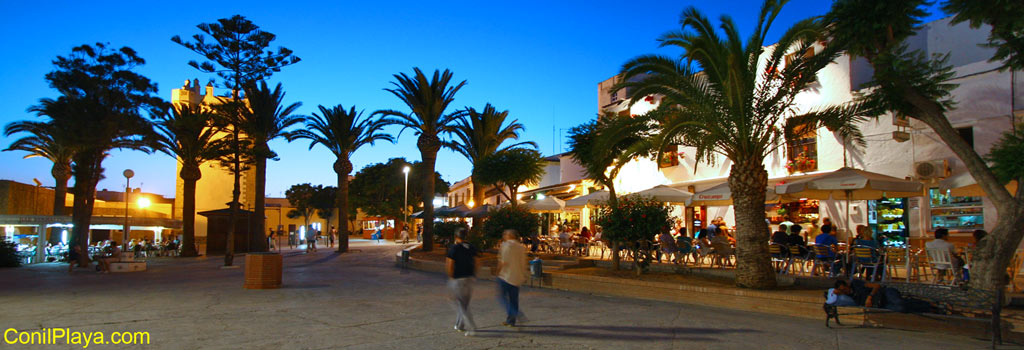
(46, 140)
(188, 136)
(266, 119)
(739, 107)
(427, 100)
(343, 133)
(479, 134)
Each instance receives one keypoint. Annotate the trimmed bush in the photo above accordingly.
(633, 222)
(509, 217)
(444, 232)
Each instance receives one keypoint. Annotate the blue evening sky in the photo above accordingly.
(541, 60)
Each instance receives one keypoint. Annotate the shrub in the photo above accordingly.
(9, 254)
(633, 222)
(444, 232)
(510, 217)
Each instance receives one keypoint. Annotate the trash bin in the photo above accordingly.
(537, 267)
(405, 257)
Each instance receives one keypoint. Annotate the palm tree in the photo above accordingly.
(343, 133)
(479, 134)
(739, 107)
(188, 136)
(427, 101)
(48, 141)
(267, 118)
(602, 146)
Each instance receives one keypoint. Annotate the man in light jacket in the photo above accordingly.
(511, 274)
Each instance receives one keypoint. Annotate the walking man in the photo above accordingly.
(511, 274)
(461, 268)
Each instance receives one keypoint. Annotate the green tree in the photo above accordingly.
(266, 119)
(509, 217)
(906, 82)
(302, 197)
(379, 189)
(738, 107)
(237, 52)
(323, 201)
(46, 140)
(343, 133)
(479, 134)
(633, 222)
(510, 169)
(427, 100)
(106, 99)
(187, 135)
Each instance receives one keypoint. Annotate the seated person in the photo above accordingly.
(795, 239)
(941, 243)
(865, 237)
(667, 245)
(854, 293)
(780, 236)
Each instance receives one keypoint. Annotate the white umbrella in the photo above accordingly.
(721, 195)
(592, 199)
(853, 184)
(666, 194)
(964, 185)
(546, 205)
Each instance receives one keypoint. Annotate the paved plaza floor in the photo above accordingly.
(361, 300)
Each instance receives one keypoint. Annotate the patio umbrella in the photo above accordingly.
(853, 184)
(416, 215)
(666, 194)
(460, 211)
(963, 185)
(592, 199)
(481, 210)
(443, 212)
(546, 205)
(721, 195)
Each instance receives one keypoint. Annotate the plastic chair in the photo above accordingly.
(779, 257)
(867, 258)
(685, 249)
(796, 255)
(824, 259)
(941, 262)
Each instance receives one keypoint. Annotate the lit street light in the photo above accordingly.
(405, 200)
(128, 174)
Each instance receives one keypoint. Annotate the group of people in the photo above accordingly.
(715, 238)
(461, 263)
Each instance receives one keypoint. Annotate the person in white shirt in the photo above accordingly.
(511, 274)
(405, 235)
(941, 243)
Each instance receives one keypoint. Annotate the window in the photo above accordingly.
(955, 213)
(967, 134)
(669, 156)
(802, 149)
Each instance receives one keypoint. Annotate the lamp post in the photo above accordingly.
(128, 174)
(405, 200)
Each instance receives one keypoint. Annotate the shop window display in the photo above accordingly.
(954, 212)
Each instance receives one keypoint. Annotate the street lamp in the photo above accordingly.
(128, 174)
(405, 201)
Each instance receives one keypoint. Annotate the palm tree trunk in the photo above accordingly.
(428, 201)
(258, 238)
(190, 175)
(342, 167)
(747, 180)
(428, 145)
(85, 192)
(478, 194)
(61, 173)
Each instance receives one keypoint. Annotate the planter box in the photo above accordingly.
(263, 270)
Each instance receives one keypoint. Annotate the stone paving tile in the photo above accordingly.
(361, 301)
